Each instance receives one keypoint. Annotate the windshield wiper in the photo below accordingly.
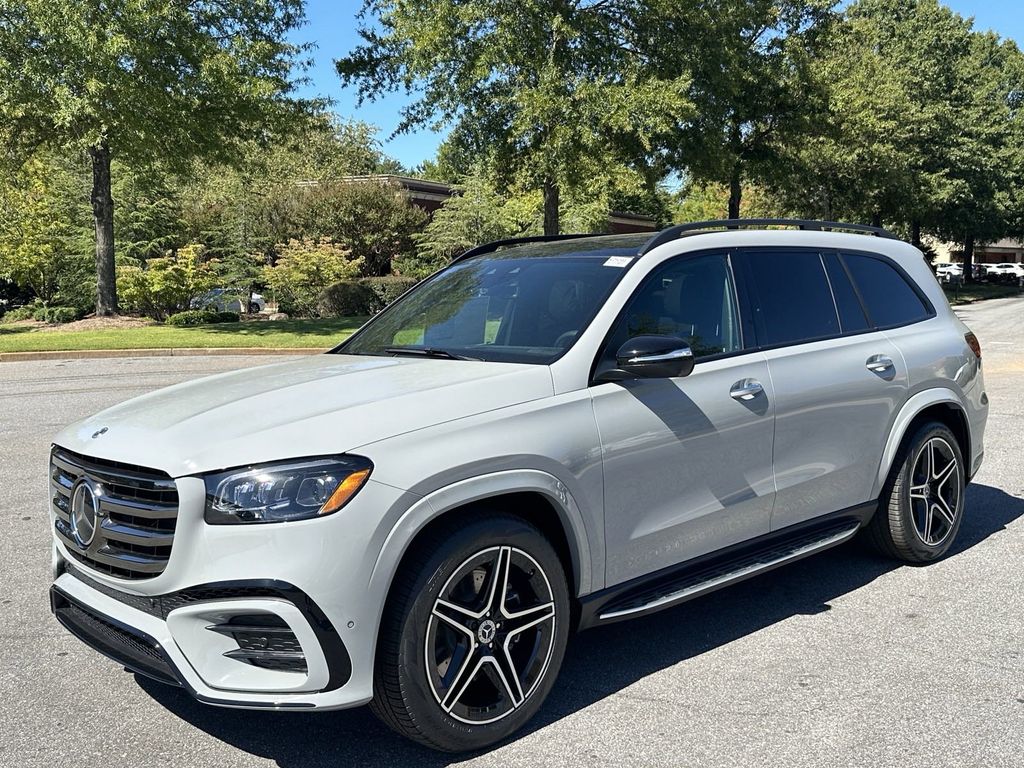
(426, 352)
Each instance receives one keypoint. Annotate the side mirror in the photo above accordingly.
(655, 357)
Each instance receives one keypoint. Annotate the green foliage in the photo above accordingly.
(153, 83)
(166, 285)
(193, 317)
(539, 86)
(56, 314)
(304, 268)
(42, 231)
(347, 298)
(752, 86)
(148, 218)
(260, 201)
(373, 219)
(476, 214)
(26, 312)
(158, 82)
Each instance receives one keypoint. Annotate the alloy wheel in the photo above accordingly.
(490, 636)
(935, 491)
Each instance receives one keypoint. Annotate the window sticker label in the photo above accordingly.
(618, 261)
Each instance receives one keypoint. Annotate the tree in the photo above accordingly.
(538, 84)
(167, 81)
(751, 87)
(976, 195)
(304, 269)
(260, 200)
(43, 232)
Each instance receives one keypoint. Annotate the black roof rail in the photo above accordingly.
(698, 227)
(496, 244)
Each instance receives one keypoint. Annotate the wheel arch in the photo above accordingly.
(938, 404)
(534, 495)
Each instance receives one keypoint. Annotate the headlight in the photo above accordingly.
(273, 493)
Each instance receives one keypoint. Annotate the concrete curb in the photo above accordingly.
(87, 354)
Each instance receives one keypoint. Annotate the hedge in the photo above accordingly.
(201, 317)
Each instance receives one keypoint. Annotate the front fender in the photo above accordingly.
(433, 505)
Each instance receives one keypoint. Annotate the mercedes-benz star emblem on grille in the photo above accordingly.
(85, 513)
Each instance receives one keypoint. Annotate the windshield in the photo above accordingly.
(505, 307)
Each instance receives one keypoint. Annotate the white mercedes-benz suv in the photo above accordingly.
(547, 435)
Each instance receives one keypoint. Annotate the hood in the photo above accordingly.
(320, 405)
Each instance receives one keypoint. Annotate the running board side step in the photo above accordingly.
(692, 580)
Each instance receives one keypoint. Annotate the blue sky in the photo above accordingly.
(332, 26)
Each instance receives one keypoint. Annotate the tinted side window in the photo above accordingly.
(888, 297)
(792, 300)
(692, 298)
(851, 313)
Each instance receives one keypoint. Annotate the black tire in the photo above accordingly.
(911, 524)
(458, 559)
(254, 308)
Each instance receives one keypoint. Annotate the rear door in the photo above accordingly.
(838, 381)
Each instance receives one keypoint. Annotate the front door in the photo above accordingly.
(687, 461)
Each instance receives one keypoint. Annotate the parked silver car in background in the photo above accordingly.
(226, 300)
(547, 435)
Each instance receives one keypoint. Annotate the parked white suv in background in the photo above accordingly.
(549, 434)
(1006, 268)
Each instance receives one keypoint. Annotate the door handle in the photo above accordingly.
(879, 363)
(746, 389)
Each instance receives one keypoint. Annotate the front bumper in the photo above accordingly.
(165, 638)
(316, 578)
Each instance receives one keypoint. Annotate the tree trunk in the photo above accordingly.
(876, 219)
(551, 203)
(969, 259)
(103, 220)
(735, 191)
(736, 177)
(915, 233)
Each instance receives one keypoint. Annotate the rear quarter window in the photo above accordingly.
(791, 296)
(888, 297)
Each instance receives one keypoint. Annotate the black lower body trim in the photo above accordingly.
(632, 595)
(129, 647)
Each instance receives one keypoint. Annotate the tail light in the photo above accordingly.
(974, 344)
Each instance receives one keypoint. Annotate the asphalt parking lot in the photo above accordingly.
(840, 660)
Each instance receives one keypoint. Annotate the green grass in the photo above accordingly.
(968, 294)
(310, 334)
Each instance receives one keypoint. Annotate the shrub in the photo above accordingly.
(55, 314)
(26, 312)
(166, 284)
(227, 317)
(347, 298)
(303, 270)
(387, 289)
(192, 317)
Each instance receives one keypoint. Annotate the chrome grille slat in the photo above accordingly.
(122, 506)
(133, 535)
(137, 514)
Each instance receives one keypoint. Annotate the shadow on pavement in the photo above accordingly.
(599, 662)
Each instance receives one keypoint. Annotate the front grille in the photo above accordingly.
(135, 651)
(137, 514)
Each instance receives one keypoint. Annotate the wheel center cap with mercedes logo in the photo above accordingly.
(85, 512)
